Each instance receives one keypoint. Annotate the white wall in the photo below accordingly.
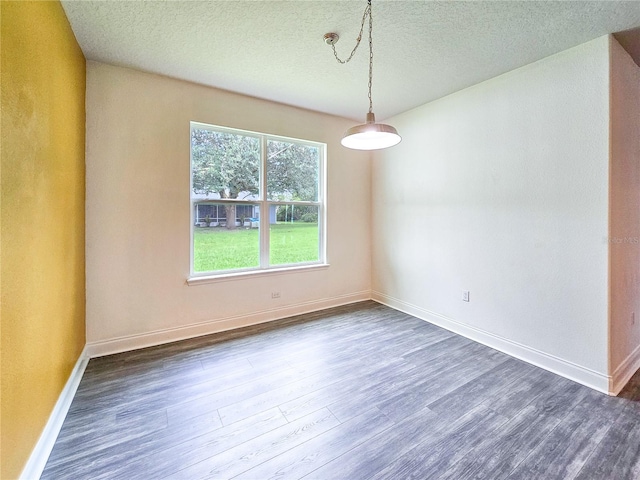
(624, 233)
(502, 189)
(137, 210)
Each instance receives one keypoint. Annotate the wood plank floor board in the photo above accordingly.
(157, 387)
(310, 455)
(436, 358)
(224, 345)
(382, 388)
(345, 355)
(450, 443)
(189, 407)
(314, 380)
(174, 456)
(359, 391)
(272, 398)
(349, 386)
(372, 458)
(367, 458)
(431, 387)
(437, 345)
(218, 391)
(241, 342)
(630, 395)
(485, 387)
(353, 390)
(526, 391)
(497, 456)
(496, 448)
(395, 380)
(566, 449)
(319, 386)
(346, 349)
(153, 455)
(74, 444)
(247, 455)
(361, 343)
(618, 454)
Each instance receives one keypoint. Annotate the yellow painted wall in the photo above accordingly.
(42, 219)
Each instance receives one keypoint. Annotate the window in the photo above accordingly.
(257, 201)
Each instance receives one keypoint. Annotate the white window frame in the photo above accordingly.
(264, 267)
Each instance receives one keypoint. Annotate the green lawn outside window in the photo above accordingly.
(217, 248)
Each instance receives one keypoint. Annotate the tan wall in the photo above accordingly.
(624, 208)
(42, 212)
(138, 212)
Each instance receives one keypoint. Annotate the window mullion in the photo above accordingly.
(264, 206)
(191, 203)
(322, 205)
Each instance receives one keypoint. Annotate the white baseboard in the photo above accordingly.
(557, 365)
(624, 372)
(40, 454)
(159, 337)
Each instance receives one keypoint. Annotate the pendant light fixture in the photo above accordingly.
(369, 135)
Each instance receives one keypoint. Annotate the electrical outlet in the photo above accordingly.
(465, 295)
(275, 294)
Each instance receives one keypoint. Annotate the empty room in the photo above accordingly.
(356, 239)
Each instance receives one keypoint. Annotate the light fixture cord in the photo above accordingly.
(370, 55)
(367, 13)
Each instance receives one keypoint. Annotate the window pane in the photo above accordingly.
(236, 175)
(293, 234)
(224, 165)
(292, 171)
(219, 244)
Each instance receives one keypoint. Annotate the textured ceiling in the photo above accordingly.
(423, 50)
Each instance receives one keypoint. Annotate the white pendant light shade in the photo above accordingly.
(371, 135)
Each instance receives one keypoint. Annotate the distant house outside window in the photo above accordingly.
(257, 201)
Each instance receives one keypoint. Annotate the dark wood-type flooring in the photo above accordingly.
(355, 392)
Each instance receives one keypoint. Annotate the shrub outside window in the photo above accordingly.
(257, 201)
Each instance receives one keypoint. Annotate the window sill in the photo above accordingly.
(225, 277)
